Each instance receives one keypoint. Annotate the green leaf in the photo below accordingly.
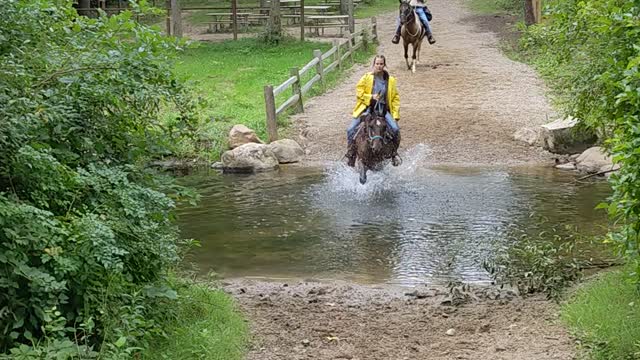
(121, 341)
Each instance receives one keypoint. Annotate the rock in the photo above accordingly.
(592, 160)
(527, 135)
(240, 135)
(420, 294)
(451, 332)
(500, 348)
(287, 151)
(484, 328)
(609, 168)
(249, 158)
(306, 342)
(567, 166)
(562, 137)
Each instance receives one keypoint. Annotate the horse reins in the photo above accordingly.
(414, 20)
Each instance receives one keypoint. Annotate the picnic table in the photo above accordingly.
(226, 18)
(320, 22)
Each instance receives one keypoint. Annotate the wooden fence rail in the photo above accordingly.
(352, 42)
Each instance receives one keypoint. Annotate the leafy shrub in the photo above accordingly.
(86, 235)
(589, 52)
(547, 263)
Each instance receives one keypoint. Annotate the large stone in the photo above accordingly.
(527, 135)
(564, 137)
(240, 135)
(287, 151)
(249, 158)
(592, 160)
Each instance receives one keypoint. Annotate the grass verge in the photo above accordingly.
(496, 7)
(604, 315)
(231, 76)
(207, 326)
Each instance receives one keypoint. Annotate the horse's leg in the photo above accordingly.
(363, 173)
(406, 49)
(413, 58)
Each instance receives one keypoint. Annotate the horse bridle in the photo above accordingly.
(411, 16)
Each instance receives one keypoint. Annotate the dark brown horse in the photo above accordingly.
(374, 143)
(412, 33)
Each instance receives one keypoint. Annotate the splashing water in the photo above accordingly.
(408, 224)
(345, 181)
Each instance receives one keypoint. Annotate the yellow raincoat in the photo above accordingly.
(364, 91)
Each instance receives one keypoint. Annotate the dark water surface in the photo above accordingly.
(407, 225)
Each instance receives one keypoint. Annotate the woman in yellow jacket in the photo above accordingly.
(375, 89)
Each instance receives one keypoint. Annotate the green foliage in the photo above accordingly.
(604, 315)
(206, 326)
(231, 75)
(546, 262)
(589, 51)
(86, 236)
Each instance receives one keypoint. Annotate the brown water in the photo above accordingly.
(407, 225)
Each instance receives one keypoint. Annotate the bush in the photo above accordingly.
(547, 262)
(588, 50)
(86, 236)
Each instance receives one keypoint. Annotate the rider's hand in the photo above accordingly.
(376, 97)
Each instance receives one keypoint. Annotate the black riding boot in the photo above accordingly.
(430, 37)
(396, 37)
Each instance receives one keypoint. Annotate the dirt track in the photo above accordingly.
(464, 103)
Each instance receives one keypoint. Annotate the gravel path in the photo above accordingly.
(465, 101)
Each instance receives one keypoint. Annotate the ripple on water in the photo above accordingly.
(408, 224)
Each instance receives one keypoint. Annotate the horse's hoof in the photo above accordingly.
(363, 181)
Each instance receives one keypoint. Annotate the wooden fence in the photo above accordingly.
(342, 50)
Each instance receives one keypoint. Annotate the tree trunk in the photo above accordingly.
(529, 13)
(84, 5)
(274, 30)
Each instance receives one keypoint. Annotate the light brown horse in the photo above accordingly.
(412, 33)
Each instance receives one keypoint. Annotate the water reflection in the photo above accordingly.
(406, 225)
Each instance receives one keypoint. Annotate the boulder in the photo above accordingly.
(249, 158)
(287, 151)
(592, 160)
(563, 137)
(528, 136)
(240, 135)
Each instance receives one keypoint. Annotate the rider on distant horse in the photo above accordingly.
(375, 88)
(420, 7)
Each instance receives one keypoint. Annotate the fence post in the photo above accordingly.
(336, 44)
(319, 67)
(176, 19)
(301, 20)
(234, 18)
(168, 19)
(297, 89)
(374, 30)
(270, 105)
(350, 46)
(352, 23)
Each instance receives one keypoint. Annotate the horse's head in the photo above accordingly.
(406, 12)
(375, 126)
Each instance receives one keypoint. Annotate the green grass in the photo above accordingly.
(375, 7)
(490, 7)
(231, 75)
(208, 326)
(605, 315)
